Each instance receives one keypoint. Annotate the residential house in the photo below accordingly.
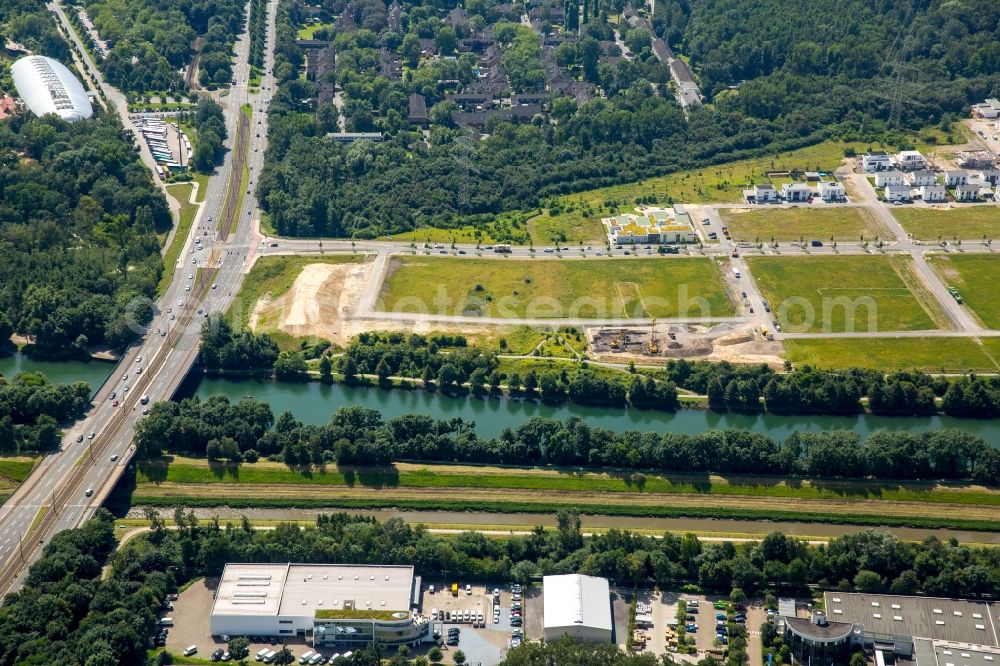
(921, 178)
(795, 192)
(457, 17)
(988, 109)
(910, 160)
(662, 51)
(812, 176)
(471, 101)
(883, 178)
(989, 176)
(933, 193)
(872, 162)
(956, 177)
(764, 193)
(418, 111)
(517, 114)
(351, 137)
(975, 159)
(967, 192)
(829, 191)
(389, 65)
(895, 193)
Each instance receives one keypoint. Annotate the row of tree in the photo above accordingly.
(66, 612)
(247, 430)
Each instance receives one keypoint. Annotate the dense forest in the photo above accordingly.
(247, 430)
(772, 87)
(27, 22)
(79, 216)
(151, 41)
(31, 409)
(67, 614)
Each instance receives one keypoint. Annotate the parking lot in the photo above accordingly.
(192, 624)
(484, 641)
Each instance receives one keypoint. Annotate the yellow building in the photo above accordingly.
(650, 225)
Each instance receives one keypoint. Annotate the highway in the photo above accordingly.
(69, 485)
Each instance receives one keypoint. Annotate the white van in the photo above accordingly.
(269, 657)
(736, 273)
(166, 622)
(304, 659)
(317, 659)
(190, 650)
(260, 655)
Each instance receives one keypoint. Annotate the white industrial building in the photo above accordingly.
(332, 605)
(46, 86)
(577, 606)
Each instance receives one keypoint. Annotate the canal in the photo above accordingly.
(313, 402)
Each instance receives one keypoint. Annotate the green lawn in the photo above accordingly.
(924, 354)
(181, 192)
(805, 223)
(578, 216)
(976, 277)
(842, 293)
(274, 276)
(970, 223)
(307, 32)
(556, 289)
(466, 234)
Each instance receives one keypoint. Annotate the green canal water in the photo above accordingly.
(314, 403)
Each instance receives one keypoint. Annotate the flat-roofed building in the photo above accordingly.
(887, 615)
(820, 642)
(332, 604)
(650, 225)
(577, 606)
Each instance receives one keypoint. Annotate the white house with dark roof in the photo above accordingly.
(893, 177)
(933, 193)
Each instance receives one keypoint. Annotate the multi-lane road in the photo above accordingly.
(68, 486)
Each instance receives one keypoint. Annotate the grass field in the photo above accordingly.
(925, 354)
(197, 482)
(307, 32)
(466, 234)
(578, 216)
(976, 277)
(182, 192)
(555, 289)
(792, 224)
(970, 223)
(806, 293)
(13, 470)
(274, 276)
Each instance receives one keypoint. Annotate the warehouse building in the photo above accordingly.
(46, 86)
(577, 606)
(332, 605)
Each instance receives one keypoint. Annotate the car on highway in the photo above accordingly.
(91, 435)
(180, 303)
(215, 285)
(79, 438)
(114, 404)
(125, 388)
(138, 359)
(125, 377)
(90, 491)
(138, 371)
(163, 334)
(114, 457)
(112, 396)
(190, 276)
(187, 287)
(145, 410)
(172, 317)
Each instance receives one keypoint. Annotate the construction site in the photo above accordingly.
(732, 341)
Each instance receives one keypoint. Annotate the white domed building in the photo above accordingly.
(47, 86)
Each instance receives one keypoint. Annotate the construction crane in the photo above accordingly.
(652, 347)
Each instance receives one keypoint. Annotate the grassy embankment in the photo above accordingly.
(579, 215)
(188, 210)
(551, 289)
(533, 490)
(880, 292)
(966, 223)
(792, 224)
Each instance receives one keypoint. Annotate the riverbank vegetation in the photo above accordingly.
(78, 221)
(248, 431)
(31, 409)
(67, 612)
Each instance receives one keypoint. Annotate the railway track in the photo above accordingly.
(62, 495)
(229, 207)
